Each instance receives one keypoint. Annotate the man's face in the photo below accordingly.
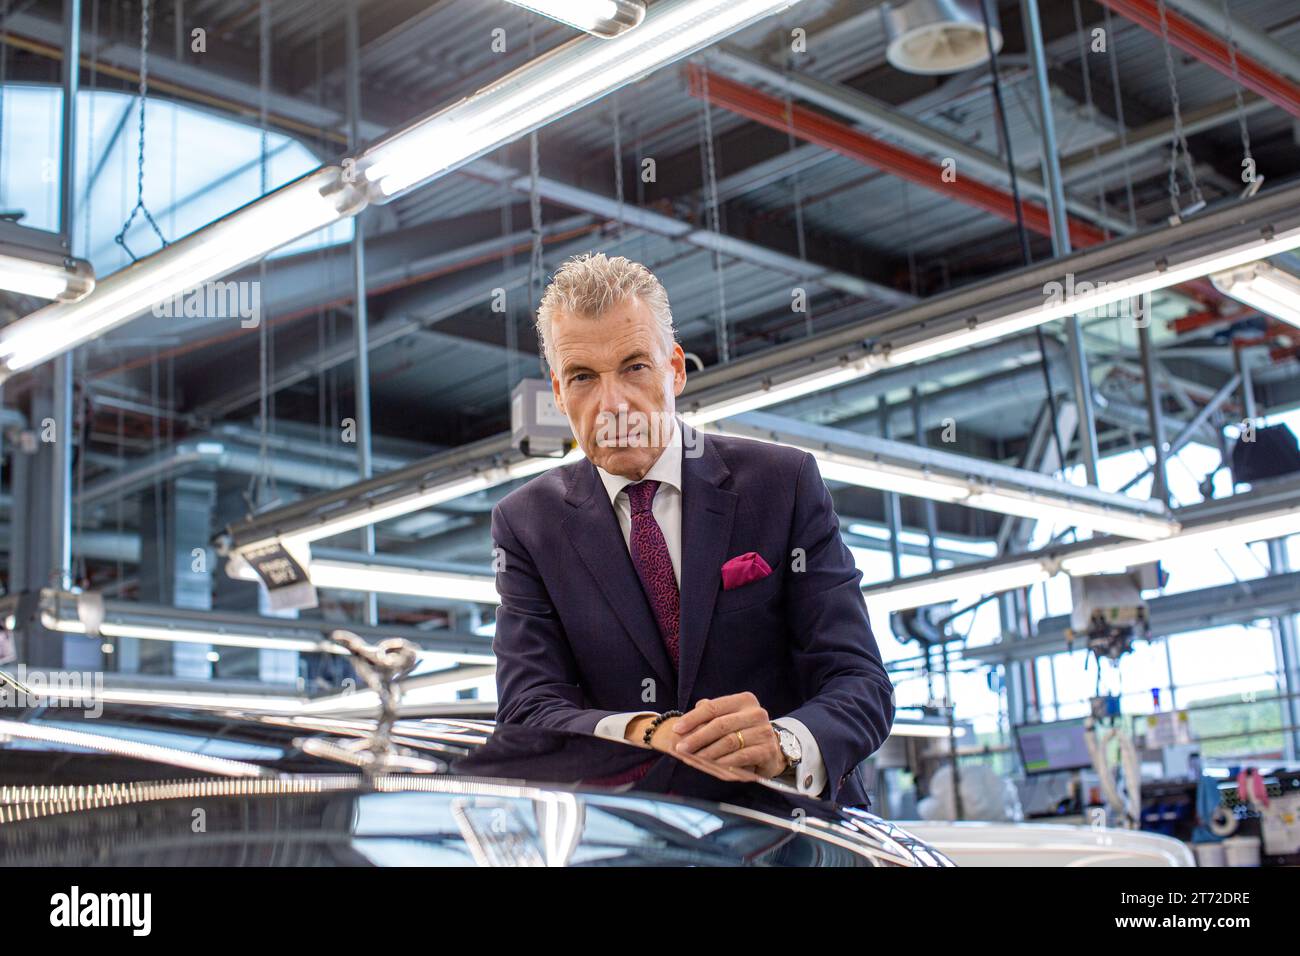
(617, 381)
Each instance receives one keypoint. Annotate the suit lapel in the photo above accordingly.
(593, 528)
(708, 512)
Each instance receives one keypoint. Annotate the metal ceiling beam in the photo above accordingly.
(1251, 41)
(868, 112)
(1238, 603)
(1214, 52)
(1144, 139)
(861, 147)
(576, 197)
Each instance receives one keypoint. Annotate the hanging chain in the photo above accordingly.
(139, 206)
(1180, 137)
(724, 350)
(1247, 160)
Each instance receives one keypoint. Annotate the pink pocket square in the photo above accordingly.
(744, 568)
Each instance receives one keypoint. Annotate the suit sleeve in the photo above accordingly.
(849, 697)
(537, 677)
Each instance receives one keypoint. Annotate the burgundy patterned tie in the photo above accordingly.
(655, 565)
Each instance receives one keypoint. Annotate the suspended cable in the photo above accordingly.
(1180, 137)
(711, 181)
(140, 207)
(796, 184)
(618, 165)
(1004, 134)
(1253, 179)
(1090, 108)
(265, 479)
(1113, 58)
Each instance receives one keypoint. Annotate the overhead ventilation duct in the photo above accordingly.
(938, 36)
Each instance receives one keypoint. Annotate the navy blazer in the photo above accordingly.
(576, 640)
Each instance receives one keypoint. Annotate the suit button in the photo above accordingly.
(807, 781)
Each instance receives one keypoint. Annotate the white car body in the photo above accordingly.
(1048, 844)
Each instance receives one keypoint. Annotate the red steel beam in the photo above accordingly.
(1212, 51)
(814, 127)
(862, 147)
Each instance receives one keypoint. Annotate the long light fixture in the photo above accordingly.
(773, 393)
(1264, 287)
(931, 473)
(1222, 533)
(963, 584)
(417, 582)
(302, 207)
(969, 582)
(550, 87)
(918, 347)
(44, 277)
(602, 18)
(425, 497)
(71, 613)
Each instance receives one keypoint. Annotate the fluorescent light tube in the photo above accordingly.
(386, 579)
(45, 278)
(316, 200)
(924, 730)
(775, 393)
(423, 498)
(183, 635)
(960, 585)
(1090, 517)
(919, 481)
(1218, 534)
(903, 481)
(602, 18)
(1101, 295)
(550, 87)
(1264, 287)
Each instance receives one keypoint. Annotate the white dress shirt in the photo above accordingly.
(667, 510)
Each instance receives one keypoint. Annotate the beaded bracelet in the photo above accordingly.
(654, 725)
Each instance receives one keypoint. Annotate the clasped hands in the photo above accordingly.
(734, 731)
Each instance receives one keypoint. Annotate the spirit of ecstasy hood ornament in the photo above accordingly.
(381, 666)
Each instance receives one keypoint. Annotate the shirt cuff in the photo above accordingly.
(614, 727)
(811, 771)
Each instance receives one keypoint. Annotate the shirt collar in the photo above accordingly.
(666, 470)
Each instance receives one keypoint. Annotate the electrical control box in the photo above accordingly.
(537, 426)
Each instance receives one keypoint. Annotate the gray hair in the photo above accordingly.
(591, 284)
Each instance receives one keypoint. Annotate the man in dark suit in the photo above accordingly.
(677, 589)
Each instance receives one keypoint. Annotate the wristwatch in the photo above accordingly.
(791, 749)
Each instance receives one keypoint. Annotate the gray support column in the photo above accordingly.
(176, 568)
(1160, 483)
(1287, 650)
(931, 519)
(360, 312)
(1010, 623)
(1061, 235)
(61, 497)
(30, 553)
(893, 511)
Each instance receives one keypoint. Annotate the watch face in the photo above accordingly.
(790, 746)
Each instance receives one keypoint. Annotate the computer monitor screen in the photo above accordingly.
(1048, 748)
